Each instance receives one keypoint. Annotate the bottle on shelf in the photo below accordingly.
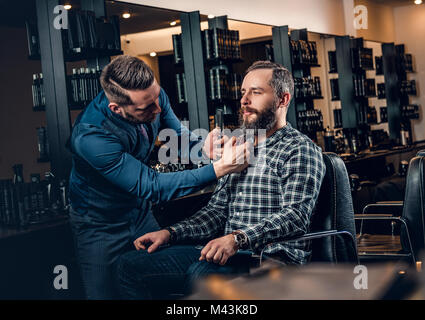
(383, 114)
(43, 146)
(379, 66)
(334, 89)
(38, 93)
(18, 175)
(177, 48)
(404, 134)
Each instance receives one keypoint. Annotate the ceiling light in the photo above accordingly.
(126, 15)
(67, 6)
(152, 54)
(173, 23)
(211, 16)
(418, 1)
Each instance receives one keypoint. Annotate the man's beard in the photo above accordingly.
(266, 119)
(132, 119)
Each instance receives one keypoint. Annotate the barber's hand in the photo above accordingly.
(213, 146)
(234, 159)
(152, 240)
(219, 250)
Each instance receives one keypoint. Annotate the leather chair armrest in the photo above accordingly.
(312, 236)
(378, 216)
(394, 208)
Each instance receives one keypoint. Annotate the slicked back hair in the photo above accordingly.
(125, 73)
(282, 80)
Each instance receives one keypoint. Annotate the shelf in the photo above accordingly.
(217, 61)
(214, 62)
(84, 54)
(10, 232)
(305, 65)
(224, 100)
(355, 70)
(308, 98)
(366, 97)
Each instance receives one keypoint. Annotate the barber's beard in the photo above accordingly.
(130, 118)
(265, 120)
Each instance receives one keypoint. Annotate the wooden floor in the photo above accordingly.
(378, 243)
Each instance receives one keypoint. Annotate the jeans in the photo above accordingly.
(171, 270)
(99, 244)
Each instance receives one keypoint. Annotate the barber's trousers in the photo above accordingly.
(98, 247)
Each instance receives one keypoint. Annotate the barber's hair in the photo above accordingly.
(282, 80)
(125, 73)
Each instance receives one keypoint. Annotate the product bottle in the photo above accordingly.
(41, 90)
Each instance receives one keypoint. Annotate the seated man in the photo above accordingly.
(270, 201)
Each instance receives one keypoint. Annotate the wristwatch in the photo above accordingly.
(172, 234)
(241, 239)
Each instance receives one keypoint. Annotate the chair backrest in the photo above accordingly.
(414, 205)
(421, 153)
(334, 211)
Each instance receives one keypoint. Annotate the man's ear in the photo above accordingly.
(285, 100)
(115, 108)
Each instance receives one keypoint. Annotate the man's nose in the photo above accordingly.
(244, 99)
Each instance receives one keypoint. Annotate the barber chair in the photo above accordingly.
(408, 214)
(332, 224)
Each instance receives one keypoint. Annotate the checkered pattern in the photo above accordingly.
(273, 200)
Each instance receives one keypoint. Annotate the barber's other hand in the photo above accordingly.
(234, 159)
(219, 250)
(152, 240)
(213, 146)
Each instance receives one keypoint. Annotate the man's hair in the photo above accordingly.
(125, 73)
(282, 80)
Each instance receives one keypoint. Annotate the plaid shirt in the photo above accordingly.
(272, 200)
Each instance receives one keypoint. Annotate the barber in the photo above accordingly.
(111, 185)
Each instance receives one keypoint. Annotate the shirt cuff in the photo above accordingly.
(252, 235)
(207, 174)
(179, 232)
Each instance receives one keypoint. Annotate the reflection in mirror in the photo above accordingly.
(22, 126)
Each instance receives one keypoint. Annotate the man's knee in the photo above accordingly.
(132, 263)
